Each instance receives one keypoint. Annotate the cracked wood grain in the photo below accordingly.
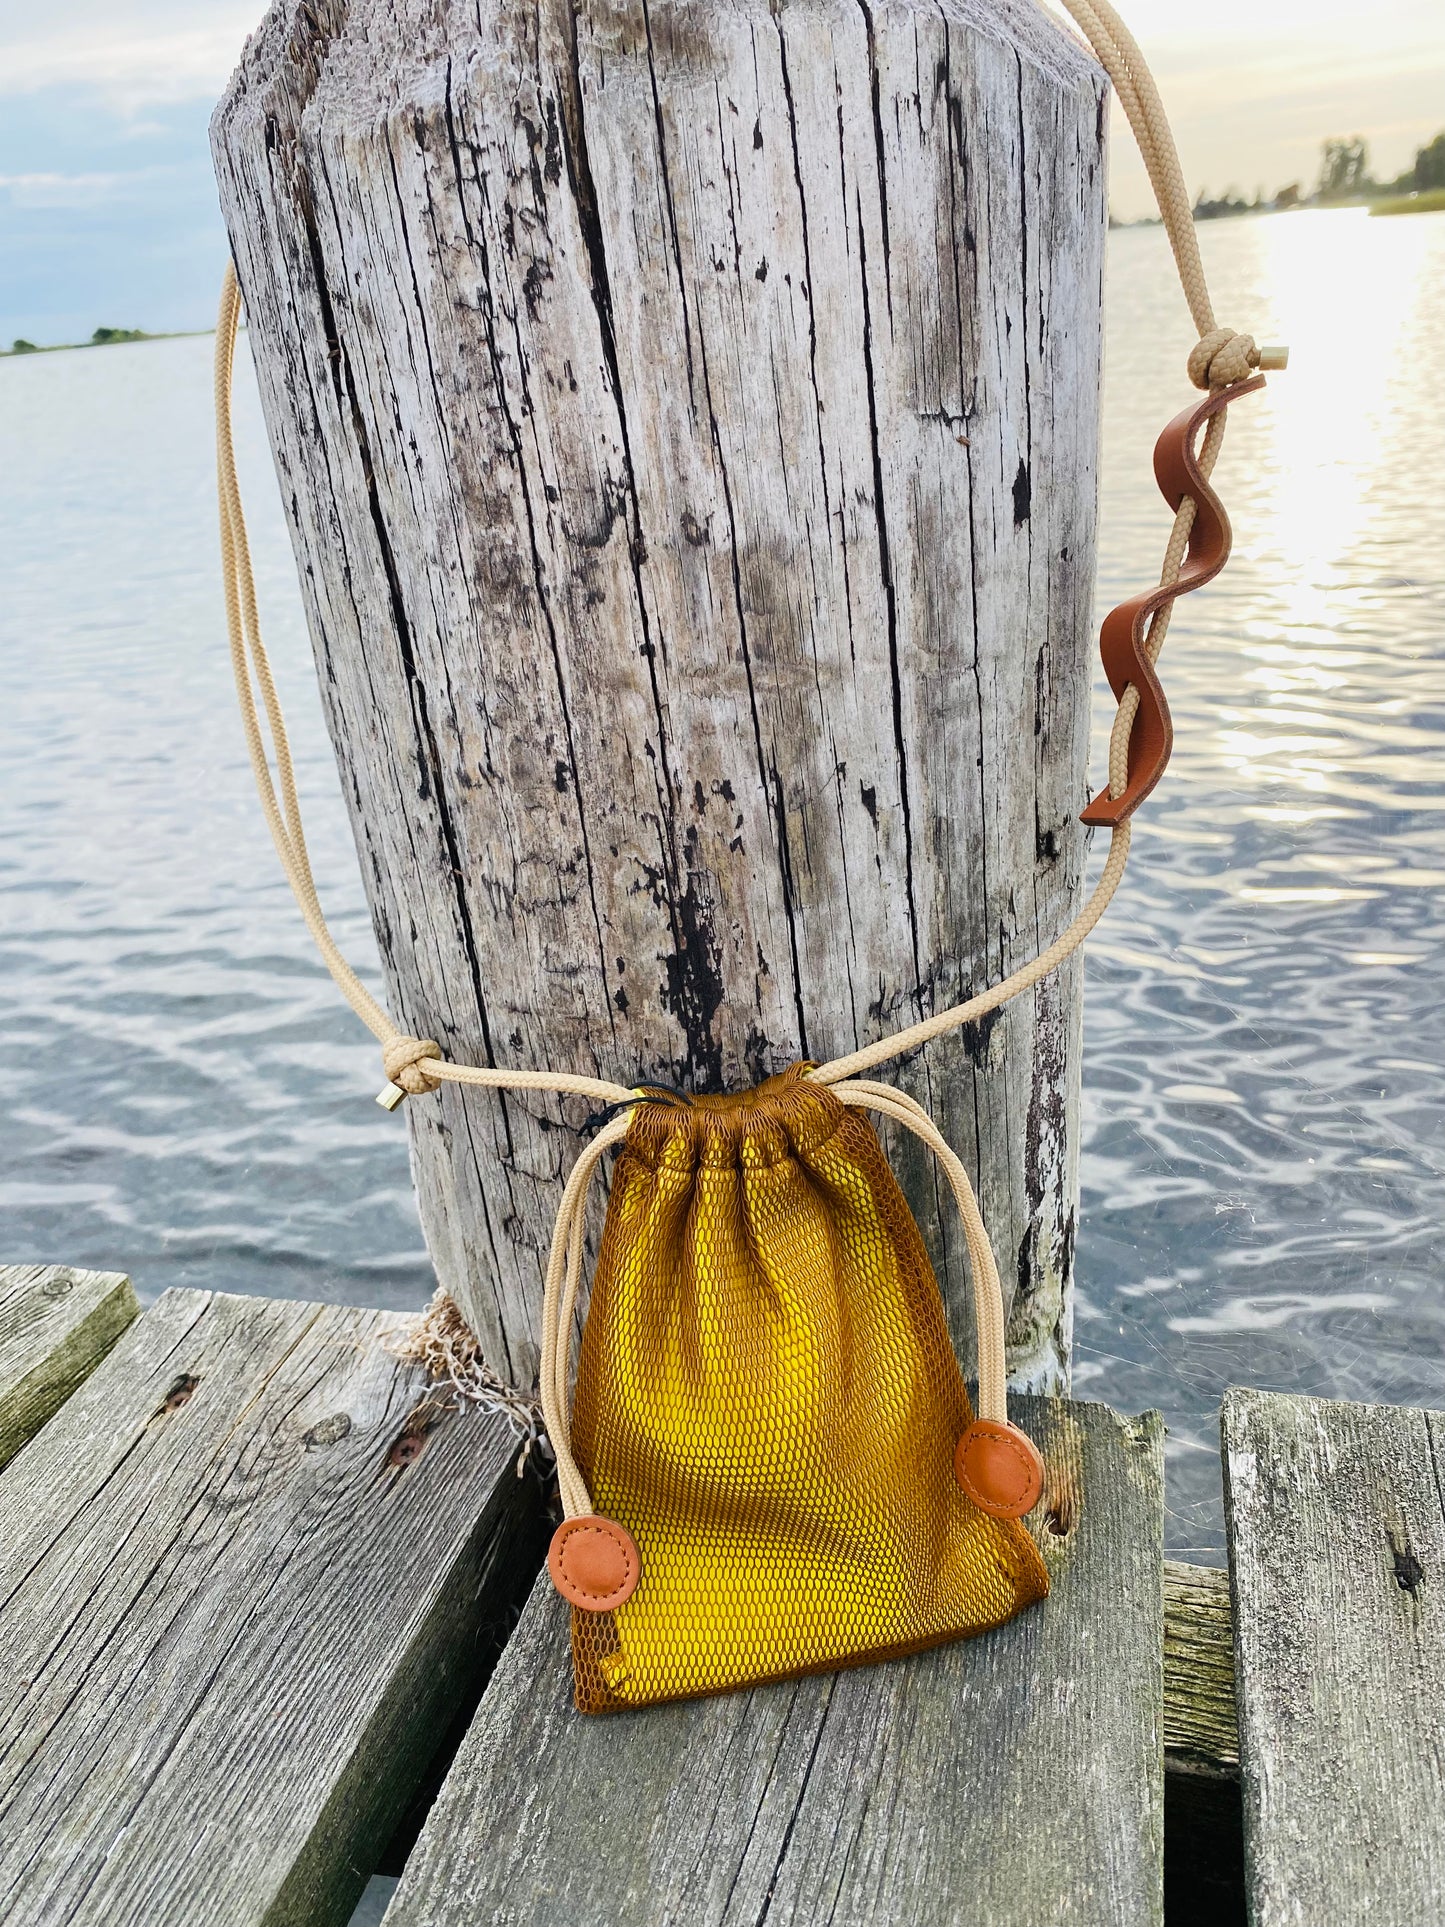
(247, 1573)
(56, 1324)
(1336, 1523)
(686, 417)
(1201, 1731)
(1012, 1779)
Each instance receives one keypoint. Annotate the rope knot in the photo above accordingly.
(1221, 358)
(403, 1058)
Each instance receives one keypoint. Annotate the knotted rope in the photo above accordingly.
(1220, 359)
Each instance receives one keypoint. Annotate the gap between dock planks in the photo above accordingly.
(1203, 1843)
(1336, 1525)
(1013, 1778)
(56, 1324)
(247, 1575)
(1201, 1731)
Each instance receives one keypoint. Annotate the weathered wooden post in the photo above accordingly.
(686, 414)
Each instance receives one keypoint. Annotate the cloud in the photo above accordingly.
(58, 190)
(130, 64)
(83, 190)
(1259, 121)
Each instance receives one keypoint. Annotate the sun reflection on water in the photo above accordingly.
(1279, 938)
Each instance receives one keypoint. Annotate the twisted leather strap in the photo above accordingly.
(1131, 636)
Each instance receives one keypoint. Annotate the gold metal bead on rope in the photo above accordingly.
(1222, 357)
(402, 1059)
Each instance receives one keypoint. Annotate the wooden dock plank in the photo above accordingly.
(1337, 1544)
(243, 1578)
(1010, 1779)
(56, 1324)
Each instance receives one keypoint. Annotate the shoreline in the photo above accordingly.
(1430, 201)
(126, 340)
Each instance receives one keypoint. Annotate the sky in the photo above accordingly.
(108, 212)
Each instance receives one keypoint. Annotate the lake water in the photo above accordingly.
(186, 1096)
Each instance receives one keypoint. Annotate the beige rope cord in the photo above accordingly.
(1220, 359)
(988, 1312)
(412, 1064)
(559, 1302)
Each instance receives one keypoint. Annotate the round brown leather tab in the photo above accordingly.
(1000, 1469)
(594, 1563)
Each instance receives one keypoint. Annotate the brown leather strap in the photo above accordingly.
(1123, 640)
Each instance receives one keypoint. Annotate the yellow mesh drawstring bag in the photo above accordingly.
(768, 1412)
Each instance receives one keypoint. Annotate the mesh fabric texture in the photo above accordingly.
(768, 1400)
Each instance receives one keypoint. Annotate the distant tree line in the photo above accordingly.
(1344, 177)
(1345, 171)
(102, 338)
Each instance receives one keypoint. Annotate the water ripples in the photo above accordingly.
(1264, 1134)
(1264, 1150)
